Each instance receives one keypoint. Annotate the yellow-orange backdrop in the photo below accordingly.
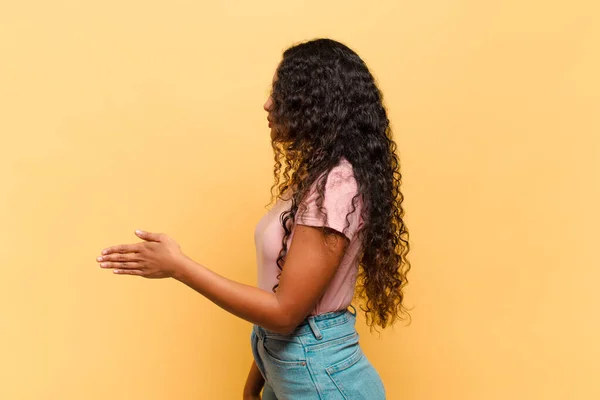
(118, 115)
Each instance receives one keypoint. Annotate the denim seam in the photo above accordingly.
(255, 339)
(305, 330)
(326, 324)
(296, 363)
(311, 373)
(283, 338)
(332, 342)
(345, 364)
(338, 386)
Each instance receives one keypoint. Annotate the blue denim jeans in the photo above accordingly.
(320, 360)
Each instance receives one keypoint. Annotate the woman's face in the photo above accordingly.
(268, 107)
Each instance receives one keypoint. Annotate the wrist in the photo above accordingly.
(181, 267)
(253, 388)
(252, 392)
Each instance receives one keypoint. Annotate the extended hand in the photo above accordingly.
(157, 257)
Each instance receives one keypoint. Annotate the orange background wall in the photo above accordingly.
(118, 115)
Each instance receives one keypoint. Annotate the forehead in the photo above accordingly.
(275, 73)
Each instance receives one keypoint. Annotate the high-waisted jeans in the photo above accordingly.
(320, 360)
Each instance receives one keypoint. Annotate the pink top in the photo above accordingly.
(341, 187)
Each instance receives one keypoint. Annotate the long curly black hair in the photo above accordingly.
(326, 105)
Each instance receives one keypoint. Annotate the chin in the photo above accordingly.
(275, 134)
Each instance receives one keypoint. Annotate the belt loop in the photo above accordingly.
(257, 331)
(314, 327)
(354, 313)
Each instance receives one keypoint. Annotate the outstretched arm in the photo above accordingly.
(310, 265)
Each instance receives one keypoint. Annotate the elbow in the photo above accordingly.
(285, 324)
(283, 328)
(288, 329)
(286, 316)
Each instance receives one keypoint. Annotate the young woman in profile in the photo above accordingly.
(336, 225)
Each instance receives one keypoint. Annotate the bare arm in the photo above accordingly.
(310, 265)
(254, 382)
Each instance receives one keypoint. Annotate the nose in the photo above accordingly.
(267, 106)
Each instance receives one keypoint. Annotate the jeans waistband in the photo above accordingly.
(313, 324)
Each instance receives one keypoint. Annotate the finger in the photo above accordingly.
(129, 272)
(120, 265)
(149, 236)
(123, 248)
(119, 257)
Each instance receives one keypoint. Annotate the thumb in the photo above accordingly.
(148, 236)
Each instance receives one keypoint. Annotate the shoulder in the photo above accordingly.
(342, 176)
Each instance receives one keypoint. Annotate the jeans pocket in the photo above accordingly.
(356, 378)
(284, 352)
(286, 369)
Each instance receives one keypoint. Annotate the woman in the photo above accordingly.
(338, 195)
